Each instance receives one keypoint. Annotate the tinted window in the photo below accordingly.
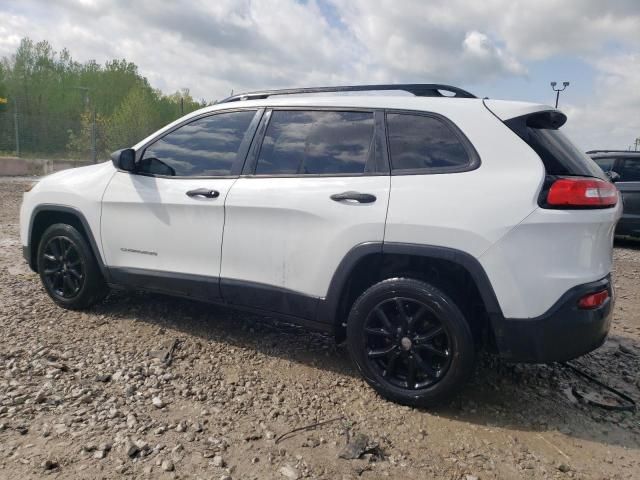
(606, 164)
(205, 147)
(630, 171)
(421, 142)
(558, 154)
(316, 142)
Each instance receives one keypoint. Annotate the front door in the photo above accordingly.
(162, 225)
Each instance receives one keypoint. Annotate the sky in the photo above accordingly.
(508, 49)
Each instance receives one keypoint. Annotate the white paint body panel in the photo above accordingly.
(155, 215)
(80, 188)
(288, 233)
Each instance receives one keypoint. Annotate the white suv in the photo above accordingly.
(420, 227)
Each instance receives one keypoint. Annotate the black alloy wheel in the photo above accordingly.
(68, 268)
(406, 343)
(63, 269)
(410, 341)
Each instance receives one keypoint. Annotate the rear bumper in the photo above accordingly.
(562, 333)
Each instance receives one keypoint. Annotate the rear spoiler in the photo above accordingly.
(542, 116)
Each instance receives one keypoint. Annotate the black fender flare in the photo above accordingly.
(329, 306)
(51, 207)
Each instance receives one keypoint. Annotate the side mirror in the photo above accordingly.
(613, 176)
(124, 159)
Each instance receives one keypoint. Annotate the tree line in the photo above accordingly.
(64, 106)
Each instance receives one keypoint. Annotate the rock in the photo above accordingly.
(50, 465)
(22, 429)
(132, 421)
(181, 427)
(218, 461)
(226, 477)
(471, 477)
(157, 402)
(289, 472)
(355, 448)
(104, 378)
(132, 449)
(167, 466)
(564, 468)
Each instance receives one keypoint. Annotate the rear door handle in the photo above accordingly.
(354, 196)
(203, 192)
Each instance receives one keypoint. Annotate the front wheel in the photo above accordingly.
(68, 270)
(410, 341)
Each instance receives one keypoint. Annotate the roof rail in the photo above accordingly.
(612, 151)
(418, 89)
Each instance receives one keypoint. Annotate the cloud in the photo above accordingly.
(213, 47)
(612, 118)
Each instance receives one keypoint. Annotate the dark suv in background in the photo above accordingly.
(623, 167)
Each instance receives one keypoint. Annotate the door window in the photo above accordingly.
(205, 147)
(419, 142)
(630, 171)
(316, 142)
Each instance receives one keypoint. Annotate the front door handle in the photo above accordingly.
(354, 196)
(203, 192)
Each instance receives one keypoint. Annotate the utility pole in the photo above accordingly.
(558, 90)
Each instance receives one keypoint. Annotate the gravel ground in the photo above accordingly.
(85, 395)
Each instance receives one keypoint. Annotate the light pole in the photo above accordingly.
(558, 90)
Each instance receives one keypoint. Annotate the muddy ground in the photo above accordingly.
(83, 395)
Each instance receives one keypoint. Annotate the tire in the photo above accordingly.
(68, 269)
(420, 329)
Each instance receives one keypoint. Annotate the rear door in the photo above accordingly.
(162, 224)
(315, 187)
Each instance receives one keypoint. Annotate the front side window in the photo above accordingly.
(316, 142)
(630, 171)
(419, 142)
(205, 147)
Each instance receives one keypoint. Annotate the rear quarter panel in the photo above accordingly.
(468, 211)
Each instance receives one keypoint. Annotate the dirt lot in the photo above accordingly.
(83, 395)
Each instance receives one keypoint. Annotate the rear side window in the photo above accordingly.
(205, 147)
(541, 132)
(419, 142)
(316, 142)
(630, 171)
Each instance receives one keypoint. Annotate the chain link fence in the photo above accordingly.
(50, 137)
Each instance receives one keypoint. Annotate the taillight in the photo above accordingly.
(581, 192)
(593, 300)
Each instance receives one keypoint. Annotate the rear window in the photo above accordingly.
(558, 154)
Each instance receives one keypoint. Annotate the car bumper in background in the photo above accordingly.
(629, 225)
(562, 333)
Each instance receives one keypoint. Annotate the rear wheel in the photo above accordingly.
(410, 341)
(68, 269)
